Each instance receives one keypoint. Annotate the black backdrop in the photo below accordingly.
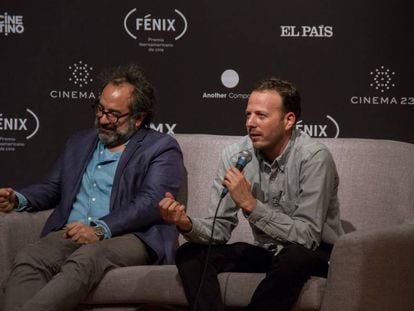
(351, 60)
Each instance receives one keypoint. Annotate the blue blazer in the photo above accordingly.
(150, 165)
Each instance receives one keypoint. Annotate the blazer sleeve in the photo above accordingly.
(45, 194)
(60, 185)
(155, 168)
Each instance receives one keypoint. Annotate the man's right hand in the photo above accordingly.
(7, 199)
(173, 211)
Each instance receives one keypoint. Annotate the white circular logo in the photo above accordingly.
(230, 78)
(382, 79)
(80, 73)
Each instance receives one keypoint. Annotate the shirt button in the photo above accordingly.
(94, 184)
(93, 199)
(99, 166)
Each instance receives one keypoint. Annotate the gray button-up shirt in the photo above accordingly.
(296, 197)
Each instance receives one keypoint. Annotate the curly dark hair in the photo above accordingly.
(143, 94)
(290, 96)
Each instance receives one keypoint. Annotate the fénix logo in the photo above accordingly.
(155, 32)
(80, 75)
(14, 129)
(382, 81)
(328, 129)
(11, 24)
(20, 124)
(320, 31)
(229, 79)
(155, 24)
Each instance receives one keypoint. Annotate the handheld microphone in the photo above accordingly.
(244, 157)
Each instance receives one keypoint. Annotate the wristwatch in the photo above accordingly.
(100, 232)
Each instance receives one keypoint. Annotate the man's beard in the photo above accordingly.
(113, 136)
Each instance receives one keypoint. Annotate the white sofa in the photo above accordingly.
(372, 266)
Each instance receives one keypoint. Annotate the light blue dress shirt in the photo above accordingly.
(92, 200)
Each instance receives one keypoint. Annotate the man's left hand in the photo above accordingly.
(80, 233)
(239, 189)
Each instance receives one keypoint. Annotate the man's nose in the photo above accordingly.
(103, 119)
(250, 122)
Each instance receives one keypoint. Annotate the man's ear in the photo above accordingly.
(140, 119)
(290, 120)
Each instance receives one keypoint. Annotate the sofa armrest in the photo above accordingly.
(16, 230)
(372, 270)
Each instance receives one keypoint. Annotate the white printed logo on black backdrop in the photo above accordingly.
(155, 32)
(382, 79)
(382, 82)
(164, 127)
(304, 31)
(11, 24)
(15, 130)
(79, 75)
(323, 129)
(229, 79)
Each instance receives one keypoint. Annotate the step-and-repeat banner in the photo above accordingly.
(351, 60)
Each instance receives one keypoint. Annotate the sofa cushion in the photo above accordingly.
(149, 284)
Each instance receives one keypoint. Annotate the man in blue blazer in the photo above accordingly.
(104, 188)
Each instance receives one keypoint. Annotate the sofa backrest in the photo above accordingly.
(376, 179)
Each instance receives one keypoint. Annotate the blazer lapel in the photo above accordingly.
(134, 143)
(86, 147)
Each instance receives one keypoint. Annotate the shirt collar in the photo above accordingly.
(105, 154)
(281, 161)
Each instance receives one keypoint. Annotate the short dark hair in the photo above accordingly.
(290, 95)
(143, 94)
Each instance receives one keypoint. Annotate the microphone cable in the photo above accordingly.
(244, 157)
(210, 242)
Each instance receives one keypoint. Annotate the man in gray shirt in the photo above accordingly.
(288, 194)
